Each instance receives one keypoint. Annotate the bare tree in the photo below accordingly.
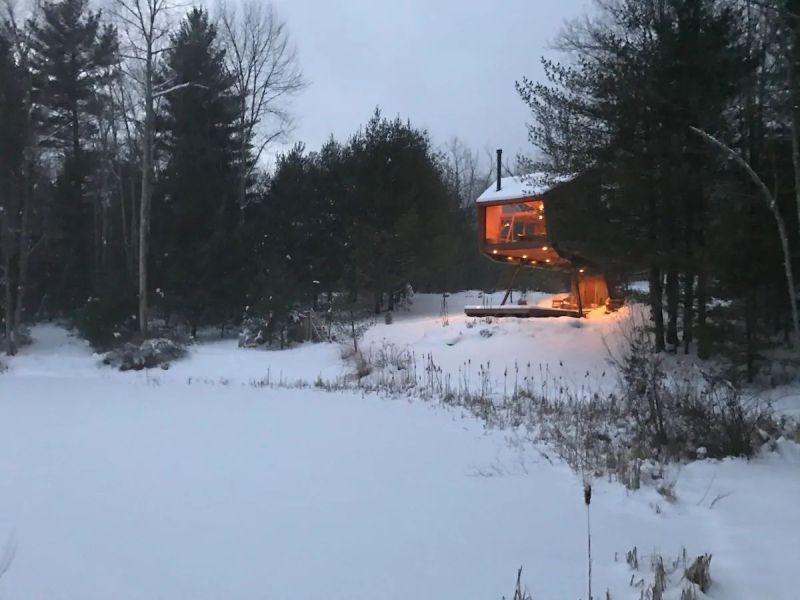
(465, 173)
(145, 25)
(264, 64)
(124, 146)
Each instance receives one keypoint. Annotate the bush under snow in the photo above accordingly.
(158, 352)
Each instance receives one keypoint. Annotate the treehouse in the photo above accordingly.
(561, 228)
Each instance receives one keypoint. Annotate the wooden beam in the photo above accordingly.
(511, 285)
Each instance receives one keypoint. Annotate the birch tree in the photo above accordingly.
(771, 202)
(145, 25)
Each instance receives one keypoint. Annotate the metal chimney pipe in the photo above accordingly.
(499, 168)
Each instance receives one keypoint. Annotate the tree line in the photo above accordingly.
(133, 186)
(134, 192)
(688, 111)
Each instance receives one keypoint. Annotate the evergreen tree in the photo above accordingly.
(13, 144)
(72, 60)
(202, 267)
(643, 74)
(398, 205)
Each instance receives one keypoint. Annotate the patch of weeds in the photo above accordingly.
(664, 577)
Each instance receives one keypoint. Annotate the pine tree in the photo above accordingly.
(13, 144)
(643, 74)
(398, 205)
(202, 270)
(72, 61)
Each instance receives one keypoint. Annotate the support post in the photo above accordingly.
(578, 298)
(511, 285)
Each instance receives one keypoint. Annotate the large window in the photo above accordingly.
(517, 223)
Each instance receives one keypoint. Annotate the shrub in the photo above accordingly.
(106, 319)
(159, 352)
(253, 332)
(23, 337)
(675, 414)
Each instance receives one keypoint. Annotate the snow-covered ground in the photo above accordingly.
(194, 483)
(567, 350)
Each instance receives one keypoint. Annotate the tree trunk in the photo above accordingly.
(134, 235)
(657, 306)
(126, 244)
(749, 334)
(673, 302)
(11, 346)
(703, 343)
(795, 122)
(688, 310)
(24, 255)
(144, 207)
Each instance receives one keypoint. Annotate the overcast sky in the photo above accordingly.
(448, 65)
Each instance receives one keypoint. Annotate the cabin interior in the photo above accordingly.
(515, 231)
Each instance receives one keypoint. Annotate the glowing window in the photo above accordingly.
(517, 223)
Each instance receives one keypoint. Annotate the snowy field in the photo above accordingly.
(193, 483)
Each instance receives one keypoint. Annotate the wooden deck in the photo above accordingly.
(519, 311)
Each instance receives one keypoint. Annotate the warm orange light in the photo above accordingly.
(581, 270)
(494, 251)
(533, 262)
(545, 248)
(524, 256)
(510, 258)
(541, 217)
(548, 260)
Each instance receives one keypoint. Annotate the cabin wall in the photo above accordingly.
(593, 289)
(588, 228)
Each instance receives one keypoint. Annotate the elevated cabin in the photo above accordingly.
(530, 225)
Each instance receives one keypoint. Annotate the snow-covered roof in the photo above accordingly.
(519, 186)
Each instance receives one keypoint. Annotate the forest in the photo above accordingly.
(138, 193)
(689, 111)
(135, 190)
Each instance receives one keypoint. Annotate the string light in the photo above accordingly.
(545, 248)
(494, 251)
(581, 270)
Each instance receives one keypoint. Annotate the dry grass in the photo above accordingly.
(665, 577)
(699, 572)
